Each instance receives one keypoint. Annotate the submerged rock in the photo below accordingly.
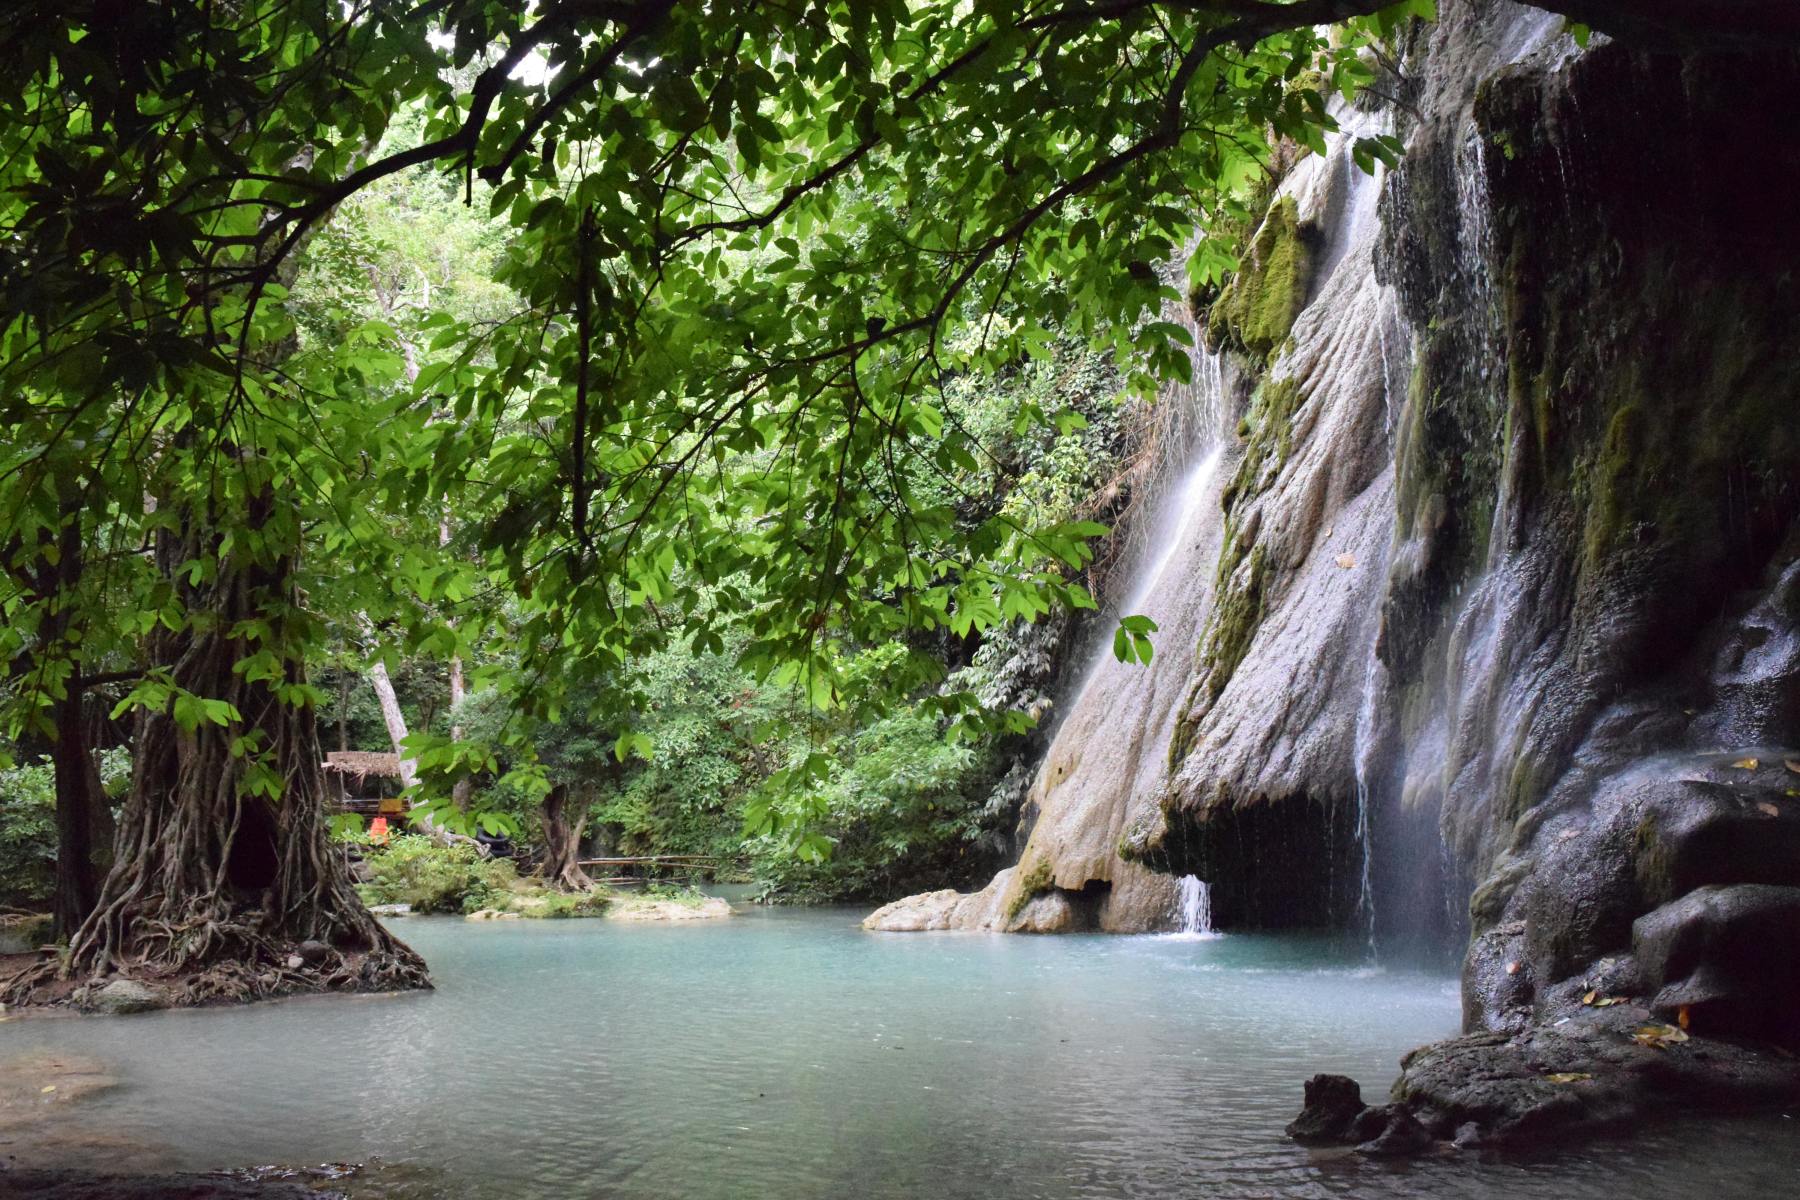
(633, 909)
(32, 1086)
(72, 1184)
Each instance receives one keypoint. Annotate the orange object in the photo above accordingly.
(378, 831)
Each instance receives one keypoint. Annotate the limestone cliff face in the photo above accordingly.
(1490, 632)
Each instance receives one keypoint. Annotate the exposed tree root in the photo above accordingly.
(223, 871)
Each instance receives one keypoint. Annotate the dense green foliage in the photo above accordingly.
(27, 834)
(430, 877)
(28, 826)
(693, 399)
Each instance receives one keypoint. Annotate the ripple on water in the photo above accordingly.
(790, 1054)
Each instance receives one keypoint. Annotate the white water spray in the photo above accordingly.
(1195, 908)
(1367, 716)
(1191, 504)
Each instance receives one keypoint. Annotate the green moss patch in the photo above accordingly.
(1257, 309)
(1033, 883)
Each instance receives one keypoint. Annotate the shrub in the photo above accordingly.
(680, 893)
(433, 877)
(901, 809)
(566, 904)
(27, 835)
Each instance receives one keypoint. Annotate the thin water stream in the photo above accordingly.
(790, 1054)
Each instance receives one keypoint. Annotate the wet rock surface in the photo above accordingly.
(70, 1184)
(1606, 1069)
(1726, 958)
(1333, 1102)
(645, 909)
(124, 996)
(1504, 596)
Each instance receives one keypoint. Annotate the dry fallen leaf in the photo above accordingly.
(1791, 765)
(1747, 764)
(1568, 1077)
(46, 1090)
(1768, 809)
(1681, 1016)
(1658, 1037)
(1591, 996)
(1346, 561)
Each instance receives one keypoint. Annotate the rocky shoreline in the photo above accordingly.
(1605, 1070)
(77, 1184)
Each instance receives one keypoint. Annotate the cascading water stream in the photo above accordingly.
(1190, 506)
(1173, 524)
(1367, 716)
(1195, 908)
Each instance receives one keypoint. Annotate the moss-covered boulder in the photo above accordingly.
(1257, 308)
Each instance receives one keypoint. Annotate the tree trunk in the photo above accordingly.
(464, 788)
(223, 865)
(562, 843)
(82, 823)
(394, 719)
(78, 797)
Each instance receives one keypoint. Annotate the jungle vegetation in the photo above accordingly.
(713, 392)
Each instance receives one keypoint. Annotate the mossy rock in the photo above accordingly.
(1256, 311)
(1035, 881)
(1237, 614)
(1267, 430)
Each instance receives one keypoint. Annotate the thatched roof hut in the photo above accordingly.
(363, 762)
(362, 774)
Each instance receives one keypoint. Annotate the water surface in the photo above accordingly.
(790, 1054)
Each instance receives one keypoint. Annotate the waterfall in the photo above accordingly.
(1195, 913)
(1192, 499)
(1367, 715)
(1173, 528)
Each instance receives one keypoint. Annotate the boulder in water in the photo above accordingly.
(123, 996)
(648, 909)
(916, 914)
(1604, 1068)
(1391, 1132)
(1333, 1103)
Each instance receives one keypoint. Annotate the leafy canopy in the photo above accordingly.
(747, 249)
